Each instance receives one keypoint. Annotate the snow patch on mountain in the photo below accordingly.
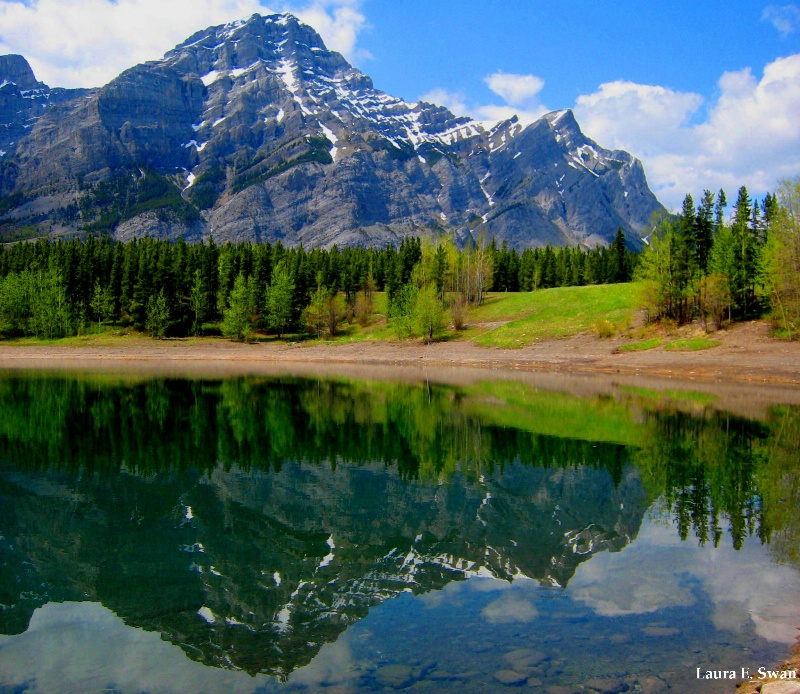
(211, 77)
(329, 134)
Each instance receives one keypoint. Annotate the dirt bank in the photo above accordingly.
(746, 354)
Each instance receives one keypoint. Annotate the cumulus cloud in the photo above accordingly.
(86, 43)
(637, 115)
(785, 18)
(748, 136)
(510, 608)
(456, 102)
(747, 589)
(101, 652)
(514, 89)
(520, 94)
(339, 22)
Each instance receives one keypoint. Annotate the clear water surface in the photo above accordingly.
(265, 534)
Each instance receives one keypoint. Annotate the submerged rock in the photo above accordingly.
(607, 686)
(781, 688)
(396, 676)
(661, 631)
(510, 678)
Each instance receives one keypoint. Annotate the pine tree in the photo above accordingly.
(745, 252)
(771, 209)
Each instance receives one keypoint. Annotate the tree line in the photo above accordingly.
(698, 265)
(51, 289)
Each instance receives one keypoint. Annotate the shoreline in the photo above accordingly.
(746, 354)
(746, 375)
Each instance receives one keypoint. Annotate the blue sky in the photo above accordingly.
(706, 93)
(576, 45)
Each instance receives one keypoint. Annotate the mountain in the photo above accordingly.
(256, 131)
(256, 571)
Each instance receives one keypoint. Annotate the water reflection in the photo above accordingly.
(250, 522)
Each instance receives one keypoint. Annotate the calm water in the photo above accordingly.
(279, 534)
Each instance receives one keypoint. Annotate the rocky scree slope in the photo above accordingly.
(256, 131)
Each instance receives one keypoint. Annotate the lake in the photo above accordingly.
(289, 534)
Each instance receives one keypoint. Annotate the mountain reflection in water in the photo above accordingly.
(251, 521)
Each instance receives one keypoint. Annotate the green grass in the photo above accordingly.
(692, 344)
(692, 396)
(519, 406)
(528, 316)
(640, 346)
(106, 336)
(553, 313)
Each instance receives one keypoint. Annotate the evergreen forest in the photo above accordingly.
(53, 289)
(701, 264)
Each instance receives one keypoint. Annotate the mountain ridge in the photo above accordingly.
(254, 130)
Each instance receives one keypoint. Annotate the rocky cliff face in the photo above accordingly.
(23, 100)
(261, 134)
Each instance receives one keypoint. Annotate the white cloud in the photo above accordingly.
(510, 607)
(86, 43)
(514, 89)
(747, 589)
(749, 135)
(339, 22)
(495, 112)
(785, 18)
(636, 115)
(86, 647)
(454, 101)
(519, 92)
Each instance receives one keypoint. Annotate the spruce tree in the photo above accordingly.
(719, 209)
(743, 248)
(619, 257)
(704, 234)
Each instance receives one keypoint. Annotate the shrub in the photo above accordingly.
(604, 328)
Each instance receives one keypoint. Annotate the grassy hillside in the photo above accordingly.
(508, 319)
(555, 313)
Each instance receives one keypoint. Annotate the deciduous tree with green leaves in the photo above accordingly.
(198, 301)
(428, 315)
(157, 320)
(783, 259)
(236, 316)
(279, 299)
